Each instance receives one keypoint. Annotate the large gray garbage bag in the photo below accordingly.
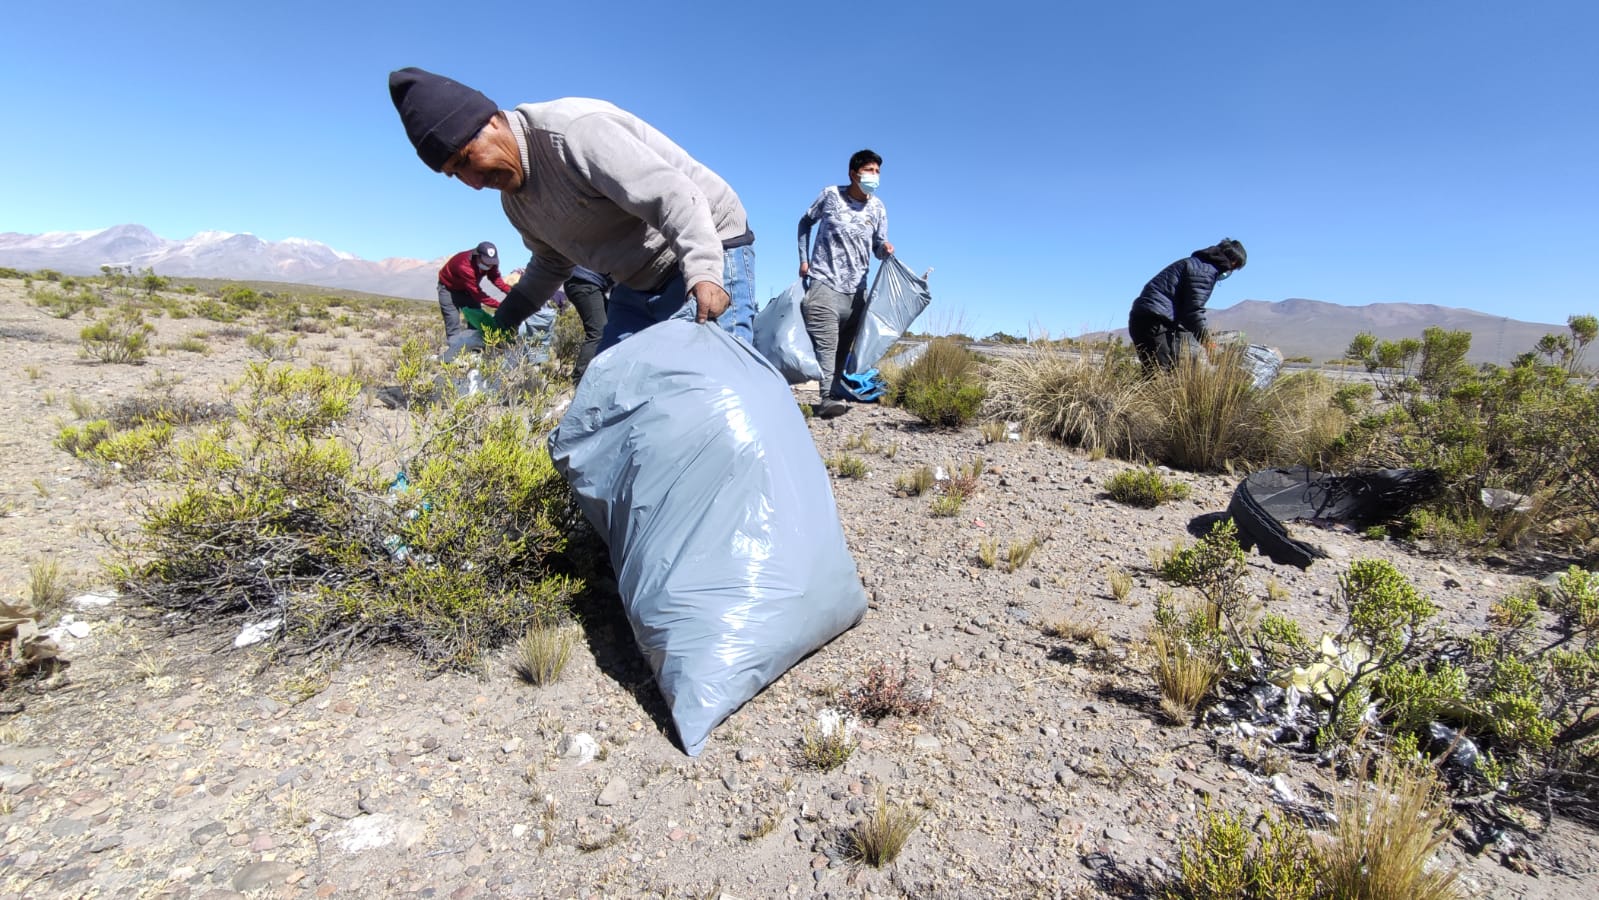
(781, 337)
(897, 297)
(689, 457)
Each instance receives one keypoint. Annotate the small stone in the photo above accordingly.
(730, 781)
(1118, 834)
(927, 743)
(745, 755)
(104, 843)
(259, 875)
(518, 830)
(579, 749)
(676, 834)
(614, 792)
(207, 833)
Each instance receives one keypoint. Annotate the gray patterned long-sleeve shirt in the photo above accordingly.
(606, 190)
(850, 234)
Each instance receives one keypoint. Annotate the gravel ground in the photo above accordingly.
(173, 765)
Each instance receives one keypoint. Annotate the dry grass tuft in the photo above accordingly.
(543, 652)
(1121, 585)
(1185, 670)
(1090, 399)
(47, 586)
(879, 839)
(1388, 831)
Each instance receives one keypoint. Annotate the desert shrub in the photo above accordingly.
(1215, 567)
(241, 297)
(268, 512)
(134, 451)
(215, 311)
(1144, 487)
(1530, 429)
(884, 691)
(8, 272)
(63, 304)
(80, 440)
(192, 344)
(942, 387)
(1228, 860)
(829, 742)
(159, 404)
(122, 338)
(1089, 398)
(1384, 841)
(272, 348)
(301, 403)
(945, 506)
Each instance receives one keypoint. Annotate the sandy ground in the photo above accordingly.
(167, 764)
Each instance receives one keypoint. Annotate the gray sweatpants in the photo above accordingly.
(450, 303)
(831, 319)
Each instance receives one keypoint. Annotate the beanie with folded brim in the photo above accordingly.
(440, 115)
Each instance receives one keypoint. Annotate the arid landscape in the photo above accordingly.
(1032, 758)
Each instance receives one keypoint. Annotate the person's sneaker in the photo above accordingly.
(831, 409)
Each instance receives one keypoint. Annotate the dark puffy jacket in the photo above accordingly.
(1179, 294)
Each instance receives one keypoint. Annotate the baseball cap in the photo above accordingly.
(487, 256)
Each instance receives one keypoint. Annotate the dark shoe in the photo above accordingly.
(831, 409)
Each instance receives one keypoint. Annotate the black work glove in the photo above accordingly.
(516, 307)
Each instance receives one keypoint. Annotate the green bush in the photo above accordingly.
(1144, 487)
(63, 304)
(1531, 428)
(80, 440)
(123, 338)
(272, 511)
(942, 387)
(215, 311)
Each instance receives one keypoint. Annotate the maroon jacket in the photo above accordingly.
(461, 274)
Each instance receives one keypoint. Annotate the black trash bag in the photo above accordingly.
(1265, 501)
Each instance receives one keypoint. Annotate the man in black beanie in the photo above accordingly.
(589, 184)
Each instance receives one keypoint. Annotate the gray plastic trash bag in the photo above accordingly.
(688, 455)
(781, 337)
(1263, 363)
(898, 296)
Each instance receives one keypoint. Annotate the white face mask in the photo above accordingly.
(869, 183)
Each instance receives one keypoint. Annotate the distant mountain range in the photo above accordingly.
(1323, 331)
(219, 254)
(1299, 328)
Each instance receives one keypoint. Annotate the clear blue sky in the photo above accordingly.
(1045, 158)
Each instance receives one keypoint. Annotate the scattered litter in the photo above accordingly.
(83, 601)
(1331, 672)
(580, 748)
(257, 632)
(69, 626)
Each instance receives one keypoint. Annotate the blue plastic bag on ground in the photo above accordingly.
(781, 337)
(688, 455)
(897, 297)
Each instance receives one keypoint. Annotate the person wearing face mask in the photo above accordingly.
(1170, 311)
(853, 226)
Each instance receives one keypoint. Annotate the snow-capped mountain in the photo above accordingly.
(219, 254)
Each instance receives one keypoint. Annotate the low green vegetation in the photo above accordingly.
(1144, 487)
(943, 387)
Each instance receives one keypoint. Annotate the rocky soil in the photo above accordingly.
(173, 765)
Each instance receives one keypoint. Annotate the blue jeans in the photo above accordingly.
(631, 310)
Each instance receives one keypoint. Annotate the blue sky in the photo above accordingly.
(1044, 158)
